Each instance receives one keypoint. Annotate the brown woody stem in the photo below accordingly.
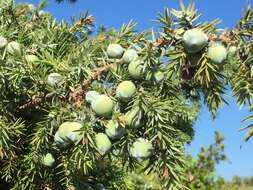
(76, 94)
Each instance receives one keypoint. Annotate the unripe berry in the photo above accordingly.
(59, 141)
(141, 149)
(31, 58)
(194, 40)
(132, 118)
(159, 76)
(103, 143)
(102, 105)
(113, 130)
(232, 50)
(31, 7)
(54, 78)
(41, 13)
(115, 51)
(68, 131)
(3, 42)
(125, 90)
(217, 53)
(90, 96)
(130, 55)
(48, 160)
(136, 69)
(99, 186)
(14, 48)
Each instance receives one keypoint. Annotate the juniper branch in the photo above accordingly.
(75, 94)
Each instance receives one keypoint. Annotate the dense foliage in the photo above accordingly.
(200, 170)
(78, 110)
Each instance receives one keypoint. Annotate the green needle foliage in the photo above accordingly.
(200, 170)
(48, 69)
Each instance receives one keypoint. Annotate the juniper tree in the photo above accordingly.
(79, 110)
(201, 171)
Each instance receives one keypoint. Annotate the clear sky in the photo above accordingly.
(112, 13)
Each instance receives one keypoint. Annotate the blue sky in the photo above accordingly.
(112, 13)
